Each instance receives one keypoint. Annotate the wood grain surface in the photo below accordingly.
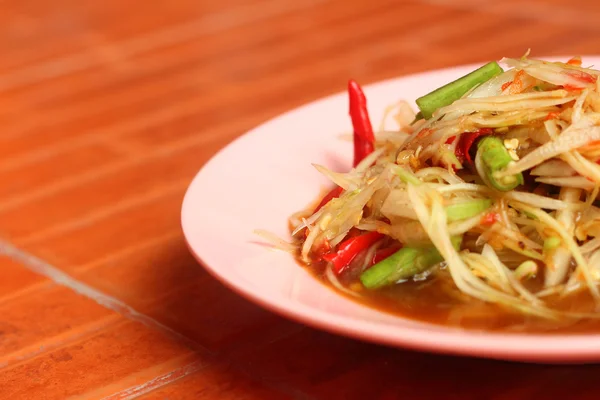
(108, 109)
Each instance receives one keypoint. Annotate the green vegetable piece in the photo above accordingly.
(403, 264)
(467, 209)
(453, 91)
(495, 158)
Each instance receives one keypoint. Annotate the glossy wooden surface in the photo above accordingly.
(107, 110)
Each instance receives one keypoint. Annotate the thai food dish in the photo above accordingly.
(480, 210)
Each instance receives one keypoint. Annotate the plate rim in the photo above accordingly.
(524, 347)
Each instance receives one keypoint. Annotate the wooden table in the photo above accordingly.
(108, 108)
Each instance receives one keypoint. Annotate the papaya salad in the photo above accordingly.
(490, 189)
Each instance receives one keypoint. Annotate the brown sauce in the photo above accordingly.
(436, 300)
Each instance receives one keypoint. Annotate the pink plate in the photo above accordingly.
(261, 178)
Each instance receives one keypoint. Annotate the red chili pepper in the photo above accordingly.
(382, 254)
(450, 140)
(353, 232)
(364, 139)
(350, 248)
(331, 195)
(466, 141)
